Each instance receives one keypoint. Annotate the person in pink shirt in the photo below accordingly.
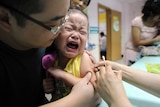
(144, 30)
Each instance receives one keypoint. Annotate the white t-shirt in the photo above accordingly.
(103, 43)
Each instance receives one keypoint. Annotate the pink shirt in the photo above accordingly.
(146, 33)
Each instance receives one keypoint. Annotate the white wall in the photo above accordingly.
(128, 12)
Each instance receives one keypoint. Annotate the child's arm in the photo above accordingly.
(47, 62)
(63, 75)
(87, 66)
(92, 58)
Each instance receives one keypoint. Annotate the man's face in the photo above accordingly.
(35, 36)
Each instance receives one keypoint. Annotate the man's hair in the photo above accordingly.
(151, 8)
(27, 7)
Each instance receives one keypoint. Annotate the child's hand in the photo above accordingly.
(48, 85)
(48, 60)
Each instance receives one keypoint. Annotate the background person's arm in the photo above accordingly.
(136, 35)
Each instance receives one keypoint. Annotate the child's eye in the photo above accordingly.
(83, 32)
(68, 28)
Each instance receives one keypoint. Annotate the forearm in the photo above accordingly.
(144, 80)
(65, 76)
(78, 96)
(70, 79)
(146, 42)
(119, 103)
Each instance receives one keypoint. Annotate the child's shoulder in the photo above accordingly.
(85, 54)
(86, 64)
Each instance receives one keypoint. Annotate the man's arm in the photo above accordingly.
(82, 95)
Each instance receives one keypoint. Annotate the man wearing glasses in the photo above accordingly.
(26, 28)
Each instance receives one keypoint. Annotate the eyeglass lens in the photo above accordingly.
(63, 21)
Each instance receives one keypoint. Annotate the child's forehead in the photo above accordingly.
(77, 11)
(77, 16)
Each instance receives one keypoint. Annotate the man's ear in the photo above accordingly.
(4, 20)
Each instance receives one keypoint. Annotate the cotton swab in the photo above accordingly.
(103, 58)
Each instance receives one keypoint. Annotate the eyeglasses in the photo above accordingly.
(54, 30)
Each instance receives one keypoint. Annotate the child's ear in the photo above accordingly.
(4, 20)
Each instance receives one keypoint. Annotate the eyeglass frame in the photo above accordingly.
(54, 31)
